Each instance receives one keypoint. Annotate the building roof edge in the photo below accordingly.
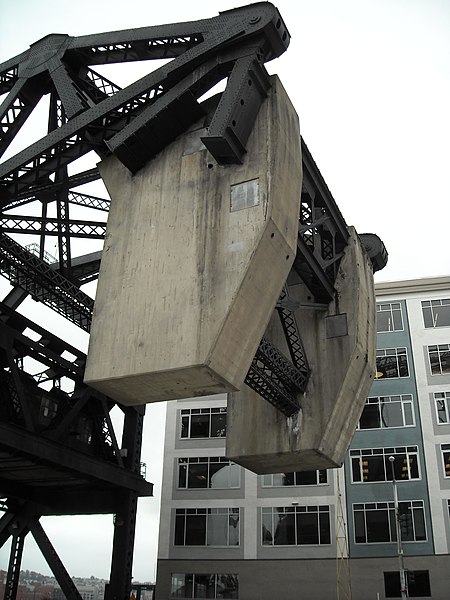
(425, 284)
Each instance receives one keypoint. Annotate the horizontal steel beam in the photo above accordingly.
(22, 443)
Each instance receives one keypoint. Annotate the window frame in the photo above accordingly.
(189, 413)
(234, 595)
(429, 305)
(440, 349)
(208, 514)
(410, 453)
(445, 399)
(297, 512)
(297, 475)
(404, 400)
(396, 352)
(445, 457)
(410, 574)
(208, 461)
(390, 310)
(414, 505)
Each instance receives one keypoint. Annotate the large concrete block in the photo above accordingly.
(340, 347)
(194, 260)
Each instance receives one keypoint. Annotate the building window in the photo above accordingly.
(445, 450)
(448, 507)
(204, 585)
(375, 522)
(369, 465)
(319, 477)
(295, 525)
(389, 317)
(442, 404)
(439, 359)
(392, 362)
(387, 411)
(210, 472)
(418, 584)
(203, 422)
(207, 527)
(436, 313)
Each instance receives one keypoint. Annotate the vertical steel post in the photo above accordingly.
(401, 564)
(125, 518)
(15, 560)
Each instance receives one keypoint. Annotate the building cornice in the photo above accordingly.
(425, 284)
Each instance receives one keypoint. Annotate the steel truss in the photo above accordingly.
(58, 450)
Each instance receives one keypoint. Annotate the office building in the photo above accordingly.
(228, 533)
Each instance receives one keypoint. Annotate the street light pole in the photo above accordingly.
(403, 581)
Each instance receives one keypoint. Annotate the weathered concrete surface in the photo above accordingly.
(261, 438)
(194, 260)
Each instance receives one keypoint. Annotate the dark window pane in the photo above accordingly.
(434, 362)
(387, 367)
(196, 530)
(445, 361)
(184, 427)
(204, 586)
(182, 476)
(403, 365)
(189, 585)
(288, 478)
(227, 586)
(198, 475)
(373, 468)
(360, 527)
(392, 584)
(325, 531)
(307, 528)
(233, 527)
(218, 425)
(405, 521)
(200, 426)
(285, 529)
(418, 583)
(179, 530)
(219, 475)
(306, 477)
(419, 524)
(356, 470)
(413, 467)
(370, 418)
(377, 526)
(267, 528)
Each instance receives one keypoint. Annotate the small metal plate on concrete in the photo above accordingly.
(244, 195)
(336, 325)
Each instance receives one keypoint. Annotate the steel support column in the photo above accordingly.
(15, 560)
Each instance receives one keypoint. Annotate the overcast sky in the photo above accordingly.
(370, 80)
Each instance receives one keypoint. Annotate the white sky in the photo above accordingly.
(370, 80)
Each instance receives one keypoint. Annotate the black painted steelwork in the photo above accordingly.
(58, 450)
(51, 438)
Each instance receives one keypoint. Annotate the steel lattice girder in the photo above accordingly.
(204, 52)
